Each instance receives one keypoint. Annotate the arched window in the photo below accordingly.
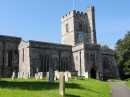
(93, 57)
(105, 63)
(64, 64)
(9, 58)
(46, 64)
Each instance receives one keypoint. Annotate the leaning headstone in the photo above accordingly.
(86, 74)
(47, 76)
(51, 75)
(62, 84)
(66, 76)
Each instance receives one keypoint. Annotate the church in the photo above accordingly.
(78, 52)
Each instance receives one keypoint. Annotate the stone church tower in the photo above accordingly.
(79, 27)
(79, 31)
(79, 52)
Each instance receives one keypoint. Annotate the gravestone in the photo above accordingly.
(55, 78)
(27, 75)
(66, 76)
(36, 76)
(47, 76)
(0, 77)
(62, 84)
(57, 74)
(13, 76)
(22, 76)
(40, 75)
(69, 74)
(51, 75)
(18, 74)
(86, 74)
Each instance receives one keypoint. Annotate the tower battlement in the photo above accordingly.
(73, 13)
(90, 8)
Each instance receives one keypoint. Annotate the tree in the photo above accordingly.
(122, 50)
(105, 47)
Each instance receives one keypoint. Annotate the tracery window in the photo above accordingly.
(93, 57)
(64, 64)
(105, 63)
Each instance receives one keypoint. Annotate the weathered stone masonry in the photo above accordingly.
(79, 51)
(8, 45)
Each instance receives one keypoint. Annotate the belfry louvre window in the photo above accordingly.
(67, 28)
(80, 26)
(9, 58)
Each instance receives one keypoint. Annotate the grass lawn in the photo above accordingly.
(128, 83)
(42, 88)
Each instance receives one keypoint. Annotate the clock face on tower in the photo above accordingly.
(81, 36)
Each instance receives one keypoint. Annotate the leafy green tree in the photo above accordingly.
(105, 47)
(122, 50)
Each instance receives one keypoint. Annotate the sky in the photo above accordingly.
(41, 19)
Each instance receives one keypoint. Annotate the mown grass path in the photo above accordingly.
(42, 88)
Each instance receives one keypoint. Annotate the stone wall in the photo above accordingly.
(55, 52)
(9, 43)
(96, 64)
(78, 58)
(113, 71)
(1, 57)
(24, 59)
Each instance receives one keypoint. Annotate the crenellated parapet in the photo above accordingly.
(73, 13)
(90, 8)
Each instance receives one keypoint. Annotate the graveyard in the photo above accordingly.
(32, 87)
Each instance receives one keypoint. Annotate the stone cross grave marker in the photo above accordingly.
(62, 84)
(51, 75)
